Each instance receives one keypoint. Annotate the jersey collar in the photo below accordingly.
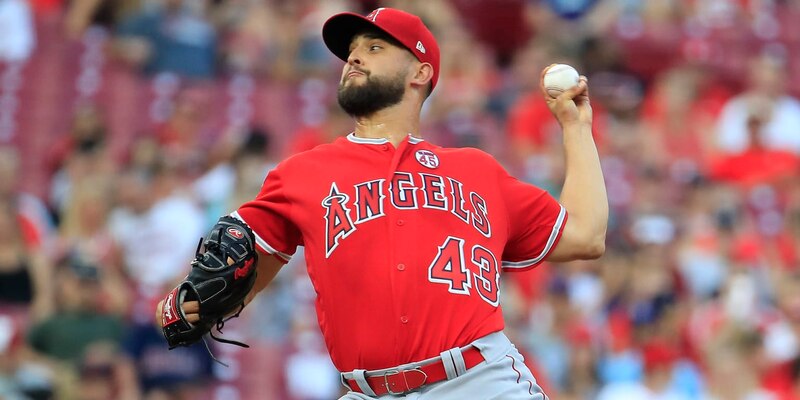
(352, 137)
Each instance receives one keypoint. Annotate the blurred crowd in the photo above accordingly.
(175, 110)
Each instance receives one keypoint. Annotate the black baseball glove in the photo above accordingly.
(221, 277)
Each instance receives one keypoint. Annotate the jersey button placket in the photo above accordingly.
(404, 319)
(401, 267)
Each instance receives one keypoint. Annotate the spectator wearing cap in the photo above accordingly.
(79, 319)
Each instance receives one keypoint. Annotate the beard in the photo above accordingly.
(372, 96)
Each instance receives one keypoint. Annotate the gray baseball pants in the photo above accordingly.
(503, 376)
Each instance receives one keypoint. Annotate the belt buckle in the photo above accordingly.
(386, 381)
(405, 380)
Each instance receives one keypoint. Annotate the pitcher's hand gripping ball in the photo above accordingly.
(221, 277)
(559, 78)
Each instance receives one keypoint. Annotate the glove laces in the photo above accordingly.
(219, 325)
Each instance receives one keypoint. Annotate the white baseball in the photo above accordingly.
(560, 77)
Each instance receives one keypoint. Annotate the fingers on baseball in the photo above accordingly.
(584, 83)
(582, 90)
(577, 91)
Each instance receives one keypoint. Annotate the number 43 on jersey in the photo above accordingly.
(450, 268)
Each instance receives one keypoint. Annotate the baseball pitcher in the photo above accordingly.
(404, 240)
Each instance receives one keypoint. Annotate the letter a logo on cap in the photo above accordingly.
(420, 47)
(374, 14)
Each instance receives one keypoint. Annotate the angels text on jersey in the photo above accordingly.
(348, 207)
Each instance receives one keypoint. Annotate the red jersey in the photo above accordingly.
(404, 246)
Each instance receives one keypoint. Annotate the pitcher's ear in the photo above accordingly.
(423, 74)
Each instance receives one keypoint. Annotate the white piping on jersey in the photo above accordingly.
(355, 139)
(261, 242)
(550, 241)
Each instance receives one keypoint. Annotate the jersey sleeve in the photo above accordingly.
(269, 216)
(536, 221)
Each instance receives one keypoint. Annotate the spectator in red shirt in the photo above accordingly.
(757, 163)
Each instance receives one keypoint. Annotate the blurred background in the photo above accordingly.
(128, 126)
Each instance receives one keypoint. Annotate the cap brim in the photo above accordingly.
(339, 30)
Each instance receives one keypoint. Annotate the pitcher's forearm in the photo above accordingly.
(268, 267)
(584, 191)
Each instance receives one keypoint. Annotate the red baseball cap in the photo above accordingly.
(406, 28)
